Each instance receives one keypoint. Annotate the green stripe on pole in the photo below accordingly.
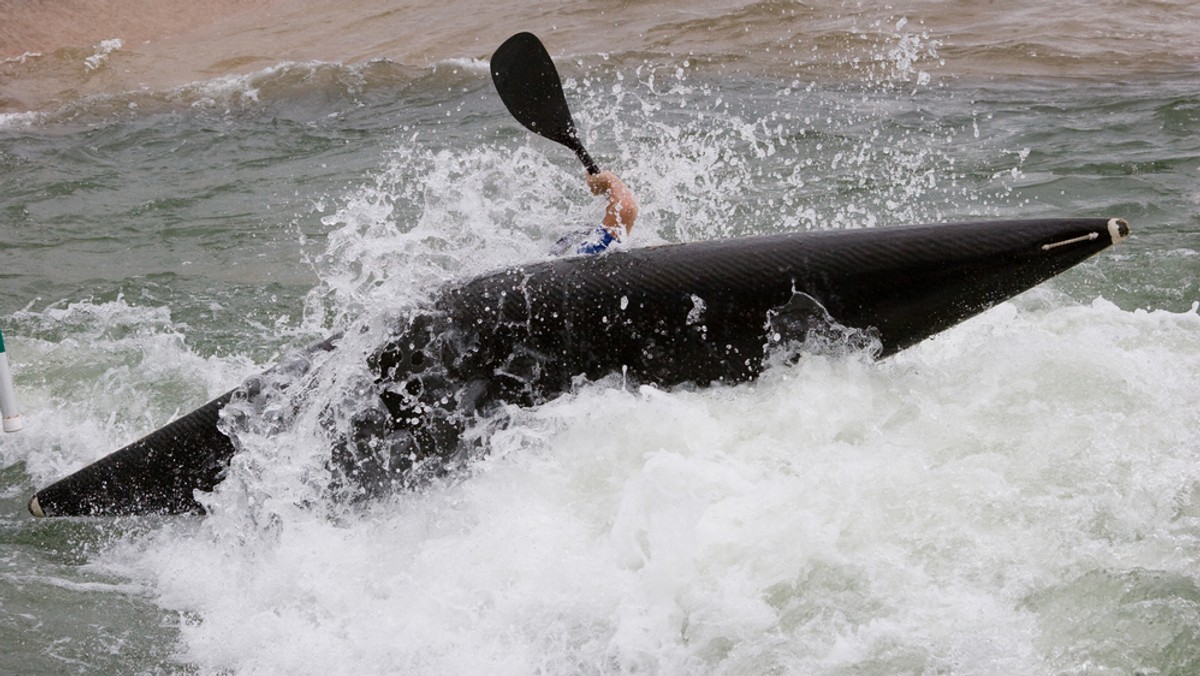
(1, 342)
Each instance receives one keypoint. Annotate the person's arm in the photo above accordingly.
(622, 209)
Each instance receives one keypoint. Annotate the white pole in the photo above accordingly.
(8, 401)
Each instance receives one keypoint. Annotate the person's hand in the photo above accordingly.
(603, 182)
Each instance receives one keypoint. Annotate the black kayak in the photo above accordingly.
(697, 313)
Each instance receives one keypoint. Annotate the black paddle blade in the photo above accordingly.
(528, 84)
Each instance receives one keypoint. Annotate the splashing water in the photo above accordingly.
(103, 50)
(1018, 495)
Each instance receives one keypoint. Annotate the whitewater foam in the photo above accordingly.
(104, 49)
(1018, 495)
(839, 512)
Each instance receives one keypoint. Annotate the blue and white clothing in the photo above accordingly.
(586, 242)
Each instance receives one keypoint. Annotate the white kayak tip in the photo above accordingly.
(1118, 229)
(35, 508)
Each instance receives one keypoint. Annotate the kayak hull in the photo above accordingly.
(689, 313)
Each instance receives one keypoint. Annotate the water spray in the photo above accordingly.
(8, 401)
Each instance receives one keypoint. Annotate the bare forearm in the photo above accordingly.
(622, 208)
